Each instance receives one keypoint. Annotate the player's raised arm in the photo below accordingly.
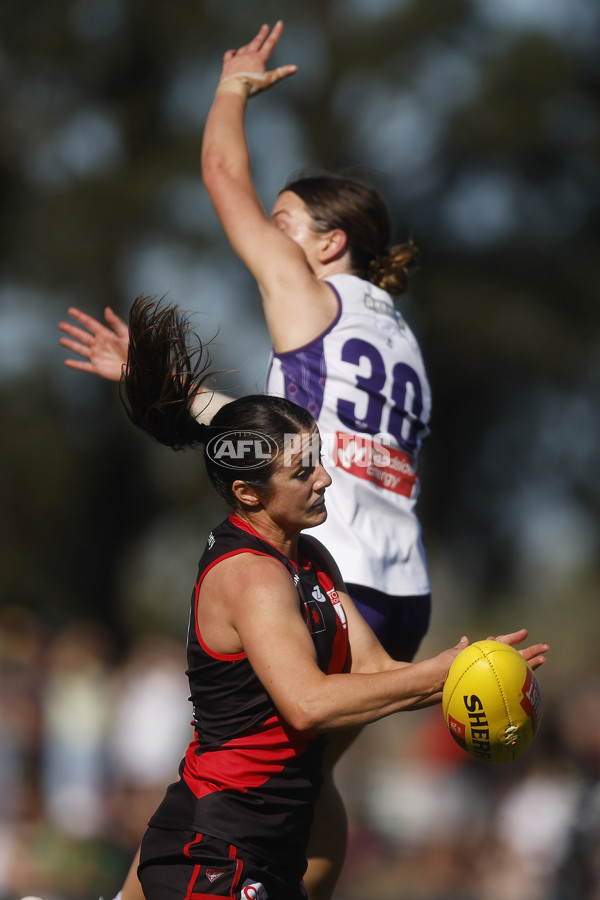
(288, 284)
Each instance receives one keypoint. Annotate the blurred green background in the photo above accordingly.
(480, 122)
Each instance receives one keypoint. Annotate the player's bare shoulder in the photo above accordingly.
(247, 575)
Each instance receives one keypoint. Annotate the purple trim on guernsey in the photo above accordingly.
(305, 370)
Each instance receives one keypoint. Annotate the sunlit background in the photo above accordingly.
(480, 122)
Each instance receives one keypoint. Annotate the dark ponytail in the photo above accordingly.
(167, 364)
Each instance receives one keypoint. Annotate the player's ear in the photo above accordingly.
(333, 245)
(245, 494)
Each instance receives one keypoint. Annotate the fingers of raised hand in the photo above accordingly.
(76, 347)
(78, 333)
(269, 38)
(262, 44)
(263, 36)
(86, 320)
(260, 81)
(116, 323)
(80, 365)
(269, 78)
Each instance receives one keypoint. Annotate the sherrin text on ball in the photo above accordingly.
(492, 703)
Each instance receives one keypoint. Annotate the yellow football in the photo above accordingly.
(492, 703)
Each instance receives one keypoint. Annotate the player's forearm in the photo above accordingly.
(345, 701)
(225, 155)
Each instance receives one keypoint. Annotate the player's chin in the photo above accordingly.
(317, 515)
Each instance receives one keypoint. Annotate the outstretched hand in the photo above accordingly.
(534, 655)
(104, 348)
(245, 67)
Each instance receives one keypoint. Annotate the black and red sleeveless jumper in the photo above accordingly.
(248, 777)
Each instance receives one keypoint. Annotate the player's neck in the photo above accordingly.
(274, 534)
(338, 267)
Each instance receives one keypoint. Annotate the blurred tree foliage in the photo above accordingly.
(481, 124)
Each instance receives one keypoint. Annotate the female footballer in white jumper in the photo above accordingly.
(327, 278)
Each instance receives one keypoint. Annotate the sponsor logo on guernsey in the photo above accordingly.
(480, 727)
(213, 874)
(335, 601)
(365, 458)
(296, 579)
(254, 891)
(318, 594)
(211, 541)
(385, 308)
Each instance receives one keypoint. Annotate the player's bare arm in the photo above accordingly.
(294, 298)
(262, 608)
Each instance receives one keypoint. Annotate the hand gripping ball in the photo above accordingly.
(491, 702)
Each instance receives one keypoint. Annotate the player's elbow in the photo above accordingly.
(310, 715)
(300, 718)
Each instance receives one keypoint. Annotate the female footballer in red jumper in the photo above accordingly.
(279, 658)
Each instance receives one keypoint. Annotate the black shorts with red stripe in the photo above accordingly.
(184, 865)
